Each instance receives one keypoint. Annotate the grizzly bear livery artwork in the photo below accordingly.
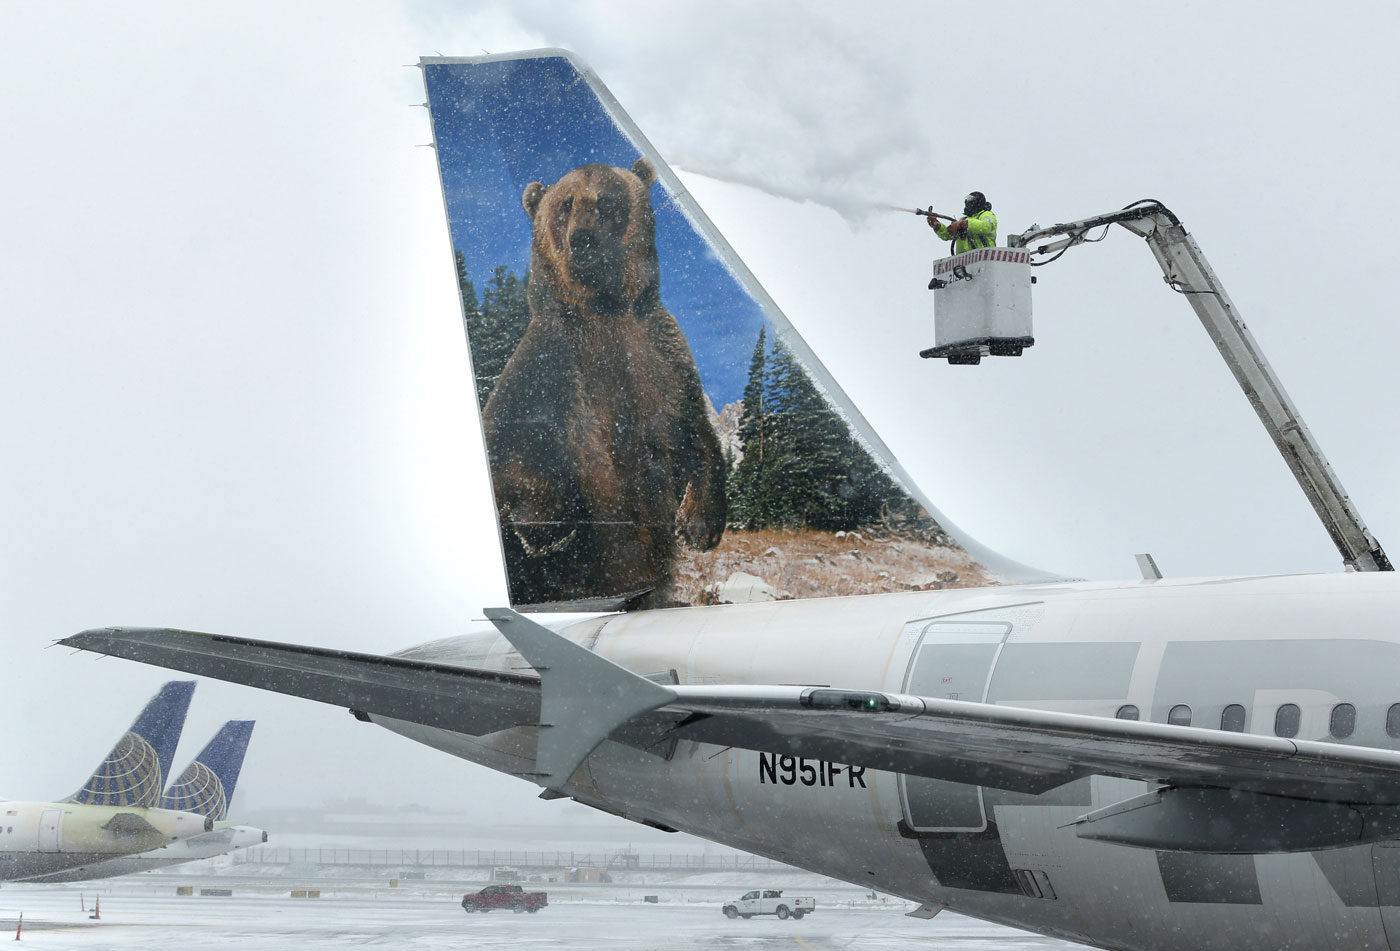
(656, 432)
(602, 454)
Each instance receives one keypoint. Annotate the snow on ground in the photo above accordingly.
(145, 912)
(359, 907)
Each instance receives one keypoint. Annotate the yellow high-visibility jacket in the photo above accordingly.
(981, 233)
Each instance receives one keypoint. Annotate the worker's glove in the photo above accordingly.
(958, 227)
(932, 221)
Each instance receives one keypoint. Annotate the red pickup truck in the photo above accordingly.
(513, 897)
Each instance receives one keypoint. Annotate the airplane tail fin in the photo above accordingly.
(657, 432)
(134, 772)
(207, 784)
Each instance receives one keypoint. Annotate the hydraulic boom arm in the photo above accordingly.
(1187, 272)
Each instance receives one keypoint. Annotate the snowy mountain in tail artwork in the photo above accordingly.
(657, 433)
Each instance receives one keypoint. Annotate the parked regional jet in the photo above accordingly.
(113, 813)
(205, 788)
(1134, 765)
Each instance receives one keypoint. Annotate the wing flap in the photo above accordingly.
(1231, 821)
(439, 695)
(1028, 751)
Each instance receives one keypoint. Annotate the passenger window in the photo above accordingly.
(1343, 720)
(1179, 715)
(1130, 712)
(1232, 718)
(1392, 722)
(1287, 720)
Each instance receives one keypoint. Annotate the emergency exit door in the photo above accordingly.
(50, 830)
(953, 660)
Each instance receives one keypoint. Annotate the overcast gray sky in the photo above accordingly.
(236, 389)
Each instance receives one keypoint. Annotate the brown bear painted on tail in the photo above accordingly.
(601, 451)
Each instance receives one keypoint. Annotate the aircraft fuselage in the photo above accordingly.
(218, 842)
(1310, 657)
(45, 838)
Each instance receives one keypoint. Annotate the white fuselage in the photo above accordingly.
(1313, 642)
(45, 838)
(204, 846)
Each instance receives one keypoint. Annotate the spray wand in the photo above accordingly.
(922, 212)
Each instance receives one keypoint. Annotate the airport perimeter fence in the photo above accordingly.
(494, 859)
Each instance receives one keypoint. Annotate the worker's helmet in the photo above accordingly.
(975, 202)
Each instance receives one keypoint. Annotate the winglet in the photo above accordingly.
(583, 697)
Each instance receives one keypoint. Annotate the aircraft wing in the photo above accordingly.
(586, 698)
(453, 698)
(1028, 751)
(1209, 790)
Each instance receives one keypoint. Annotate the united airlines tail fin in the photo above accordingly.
(656, 430)
(207, 784)
(134, 772)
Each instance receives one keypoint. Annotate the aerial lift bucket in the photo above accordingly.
(981, 305)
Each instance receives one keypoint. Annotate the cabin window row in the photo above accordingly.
(1288, 718)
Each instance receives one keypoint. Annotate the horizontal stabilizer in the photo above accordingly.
(217, 837)
(129, 824)
(454, 698)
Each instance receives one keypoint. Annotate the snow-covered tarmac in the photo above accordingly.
(151, 916)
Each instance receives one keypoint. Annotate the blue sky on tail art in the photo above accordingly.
(501, 125)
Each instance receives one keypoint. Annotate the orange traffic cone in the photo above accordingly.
(96, 908)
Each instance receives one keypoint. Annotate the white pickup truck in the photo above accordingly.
(768, 901)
